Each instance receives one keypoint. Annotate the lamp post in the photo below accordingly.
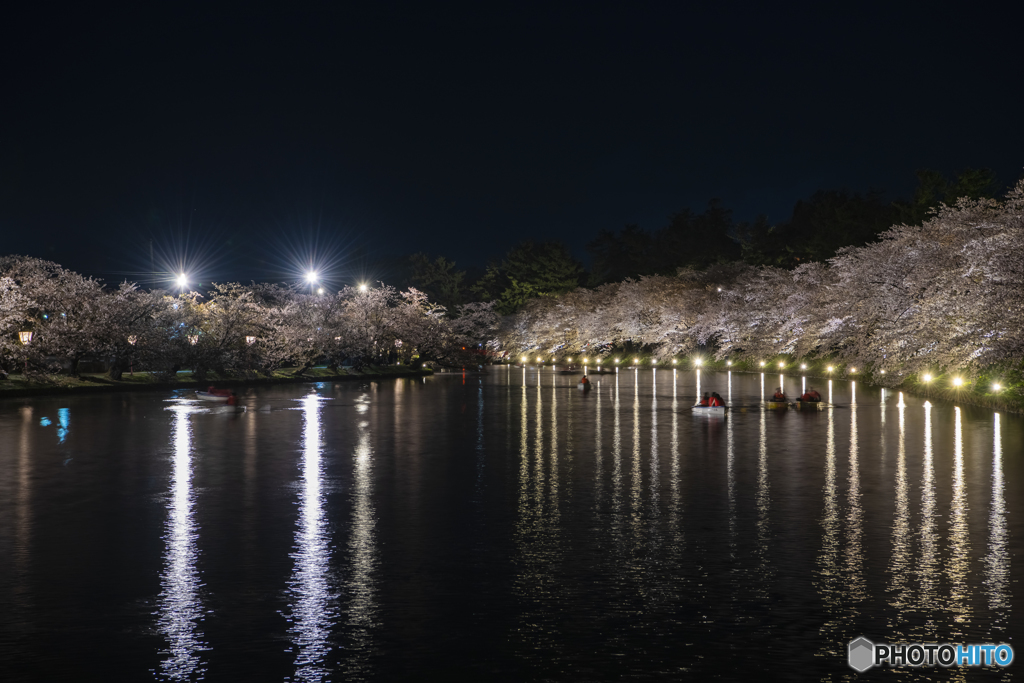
(25, 336)
(131, 356)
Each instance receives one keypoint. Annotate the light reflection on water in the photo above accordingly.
(311, 599)
(180, 608)
(997, 560)
(958, 563)
(361, 586)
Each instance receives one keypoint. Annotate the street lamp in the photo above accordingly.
(995, 386)
(25, 337)
(957, 381)
(803, 366)
(131, 359)
(762, 364)
(781, 364)
(182, 281)
(362, 287)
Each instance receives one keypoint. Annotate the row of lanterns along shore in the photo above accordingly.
(697, 362)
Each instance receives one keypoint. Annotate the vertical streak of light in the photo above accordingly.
(180, 608)
(676, 512)
(362, 586)
(829, 582)
(997, 560)
(763, 504)
(310, 600)
(540, 478)
(762, 387)
(23, 517)
(698, 386)
(900, 565)
(598, 454)
(730, 470)
(958, 565)
(553, 492)
(730, 387)
(927, 568)
(635, 489)
(853, 393)
(855, 521)
(655, 460)
(617, 458)
(830, 391)
(803, 386)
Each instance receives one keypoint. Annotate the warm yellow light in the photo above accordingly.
(654, 361)
(762, 364)
(674, 361)
(927, 377)
(883, 372)
(996, 387)
(636, 360)
(803, 366)
(25, 336)
(584, 360)
(728, 362)
(193, 339)
(697, 362)
(853, 370)
(538, 359)
(830, 368)
(523, 359)
(320, 291)
(250, 340)
(616, 360)
(362, 287)
(132, 339)
(781, 364)
(957, 381)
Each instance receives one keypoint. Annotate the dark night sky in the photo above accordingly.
(242, 141)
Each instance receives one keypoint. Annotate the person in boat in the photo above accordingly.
(706, 400)
(715, 399)
(778, 396)
(233, 399)
(584, 380)
(812, 396)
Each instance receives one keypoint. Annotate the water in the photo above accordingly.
(500, 527)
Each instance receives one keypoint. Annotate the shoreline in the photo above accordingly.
(102, 385)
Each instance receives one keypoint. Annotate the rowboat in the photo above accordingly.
(708, 410)
(776, 405)
(207, 396)
(583, 386)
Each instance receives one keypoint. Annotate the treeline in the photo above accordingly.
(819, 226)
(233, 328)
(945, 294)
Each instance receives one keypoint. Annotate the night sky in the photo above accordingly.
(247, 143)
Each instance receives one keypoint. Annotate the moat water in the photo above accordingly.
(501, 527)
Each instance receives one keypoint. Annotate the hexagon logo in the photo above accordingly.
(861, 654)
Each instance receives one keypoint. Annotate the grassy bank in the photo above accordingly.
(18, 386)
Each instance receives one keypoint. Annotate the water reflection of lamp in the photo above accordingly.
(180, 606)
(311, 612)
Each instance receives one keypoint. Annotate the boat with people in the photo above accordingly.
(213, 394)
(584, 384)
(776, 405)
(711, 404)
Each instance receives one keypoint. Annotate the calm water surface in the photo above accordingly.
(501, 526)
